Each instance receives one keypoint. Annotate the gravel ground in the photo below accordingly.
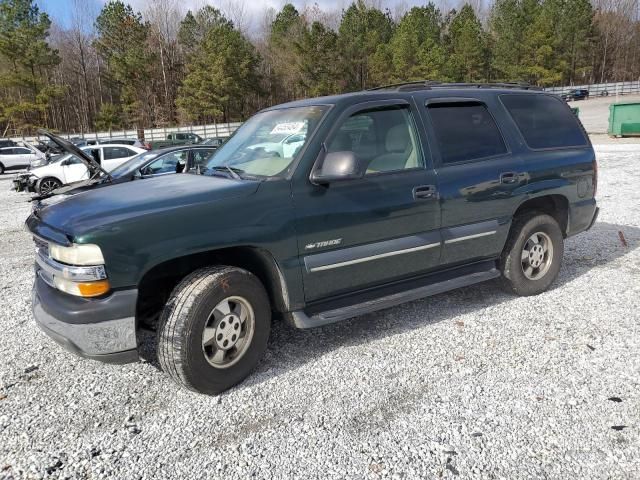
(471, 384)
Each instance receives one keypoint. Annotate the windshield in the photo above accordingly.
(133, 164)
(267, 144)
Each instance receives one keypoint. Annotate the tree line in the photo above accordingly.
(124, 68)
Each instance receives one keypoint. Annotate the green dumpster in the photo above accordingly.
(575, 110)
(624, 119)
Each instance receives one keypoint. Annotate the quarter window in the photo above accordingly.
(465, 131)
(384, 139)
(544, 121)
(200, 156)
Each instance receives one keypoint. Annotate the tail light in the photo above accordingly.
(147, 145)
(595, 176)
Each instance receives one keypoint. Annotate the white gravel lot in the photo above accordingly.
(471, 384)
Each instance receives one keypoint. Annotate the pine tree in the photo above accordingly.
(221, 73)
(122, 44)
(466, 47)
(416, 47)
(194, 28)
(362, 31)
(320, 62)
(25, 57)
(508, 21)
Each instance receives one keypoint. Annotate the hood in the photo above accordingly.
(102, 207)
(35, 151)
(67, 146)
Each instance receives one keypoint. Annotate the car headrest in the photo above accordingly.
(397, 138)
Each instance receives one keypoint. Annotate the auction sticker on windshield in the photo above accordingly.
(288, 127)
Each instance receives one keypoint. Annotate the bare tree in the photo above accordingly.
(164, 18)
(237, 12)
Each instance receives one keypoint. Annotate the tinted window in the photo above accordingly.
(385, 139)
(7, 151)
(21, 151)
(111, 153)
(544, 121)
(465, 131)
(123, 141)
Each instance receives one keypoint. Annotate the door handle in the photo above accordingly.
(424, 192)
(509, 177)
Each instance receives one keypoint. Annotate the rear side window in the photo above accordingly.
(111, 153)
(465, 131)
(544, 121)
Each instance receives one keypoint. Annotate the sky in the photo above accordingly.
(60, 10)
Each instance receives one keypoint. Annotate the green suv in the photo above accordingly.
(385, 196)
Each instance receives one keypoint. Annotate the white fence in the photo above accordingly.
(602, 89)
(205, 131)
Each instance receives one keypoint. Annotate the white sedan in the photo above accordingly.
(283, 145)
(16, 157)
(69, 168)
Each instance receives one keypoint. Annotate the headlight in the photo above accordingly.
(77, 269)
(77, 254)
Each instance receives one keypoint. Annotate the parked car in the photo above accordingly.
(576, 94)
(214, 141)
(134, 142)
(182, 159)
(18, 157)
(6, 142)
(396, 194)
(281, 145)
(173, 139)
(70, 168)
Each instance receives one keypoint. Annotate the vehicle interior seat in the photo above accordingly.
(399, 152)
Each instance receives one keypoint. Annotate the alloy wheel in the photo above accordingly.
(228, 332)
(537, 255)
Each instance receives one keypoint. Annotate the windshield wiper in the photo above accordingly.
(235, 173)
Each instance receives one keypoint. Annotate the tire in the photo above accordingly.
(1, 168)
(537, 272)
(47, 184)
(194, 304)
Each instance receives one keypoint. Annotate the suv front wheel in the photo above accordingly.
(531, 259)
(214, 329)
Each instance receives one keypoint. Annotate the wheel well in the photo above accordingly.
(157, 284)
(555, 205)
(50, 177)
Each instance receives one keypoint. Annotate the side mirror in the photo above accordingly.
(337, 167)
(66, 162)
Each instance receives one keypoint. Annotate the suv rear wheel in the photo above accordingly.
(214, 329)
(531, 259)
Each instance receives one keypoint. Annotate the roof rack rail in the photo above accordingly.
(429, 84)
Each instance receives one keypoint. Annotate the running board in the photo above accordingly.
(301, 320)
